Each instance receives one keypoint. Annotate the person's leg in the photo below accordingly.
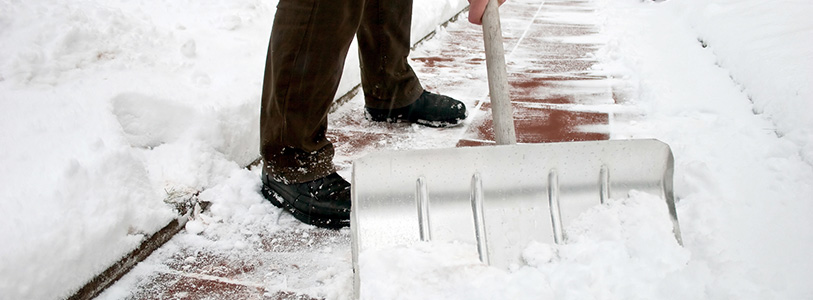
(309, 42)
(384, 41)
(392, 91)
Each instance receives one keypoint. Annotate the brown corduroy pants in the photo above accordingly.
(309, 42)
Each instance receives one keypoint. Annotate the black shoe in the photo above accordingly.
(323, 202)
(430, 109)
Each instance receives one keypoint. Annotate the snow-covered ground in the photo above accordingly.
(109, 106)
(737, 114)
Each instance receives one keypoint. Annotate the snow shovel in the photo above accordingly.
(500, 198)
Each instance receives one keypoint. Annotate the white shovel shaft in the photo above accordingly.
(501, 109)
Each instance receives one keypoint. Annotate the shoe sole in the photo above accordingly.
(427, 123)
(439, 124)
(315, 220)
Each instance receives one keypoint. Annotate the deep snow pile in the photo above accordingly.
(109, 107)
(744, 182)
(766, 46)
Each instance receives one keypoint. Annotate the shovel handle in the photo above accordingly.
(502, 112)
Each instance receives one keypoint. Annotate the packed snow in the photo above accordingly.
(109, 107)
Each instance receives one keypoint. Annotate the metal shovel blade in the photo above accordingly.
(498, 198)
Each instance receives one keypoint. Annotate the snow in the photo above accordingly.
(744, 186)
(108, 107)
(100, 126)
(623, 250)
(754, 61)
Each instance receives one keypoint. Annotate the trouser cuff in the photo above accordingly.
(296, 166)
